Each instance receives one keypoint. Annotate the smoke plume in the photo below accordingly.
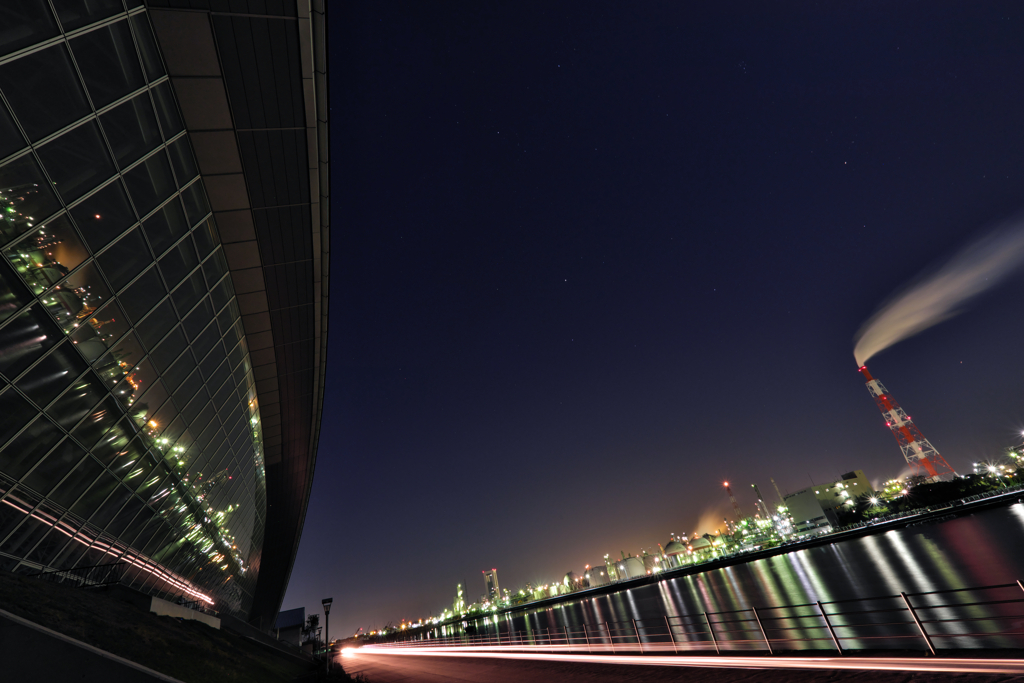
(940, 295)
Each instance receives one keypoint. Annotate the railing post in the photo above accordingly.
(637, 632)
(566, 629)
(711, 630)
(611, 638)
(587, 636)
(671, 635)
(920, 626)
(828, 625)
(763, 634)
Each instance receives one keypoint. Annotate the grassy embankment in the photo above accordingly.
(187, 650)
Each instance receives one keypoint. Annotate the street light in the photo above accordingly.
(327, 623)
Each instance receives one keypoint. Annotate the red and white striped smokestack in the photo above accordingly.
(735, 505)
(917, 450)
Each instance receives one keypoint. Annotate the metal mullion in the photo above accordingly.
(130, 96)
(89, 28)
(36, 47)
(135, 39)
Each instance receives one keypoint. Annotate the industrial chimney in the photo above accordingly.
(917, 450)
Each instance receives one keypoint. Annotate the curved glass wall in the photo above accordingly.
(129, 427)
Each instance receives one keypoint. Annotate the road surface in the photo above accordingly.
(389, 667)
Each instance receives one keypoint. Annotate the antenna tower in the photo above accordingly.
(735, 505)
(917, 450)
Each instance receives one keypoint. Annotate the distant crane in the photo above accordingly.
(735, 505)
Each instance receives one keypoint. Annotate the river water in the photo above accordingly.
(980, 549)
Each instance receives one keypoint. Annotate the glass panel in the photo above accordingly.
(25, 339)
(48, 254)
(157, 324)
(32, 529)
(104, 215)
(25, 197)
(206, 238)
(74, 486)
(136, 383)
(77, 161)
(77, 401)
(147, 45)
(194, 200)
(131, 129)
(78, 13)
(73, 301)
(31, 444)
(57, 464)
(182, 160)
(214, 368)
(130, 509)
(23, 23)
(114, 441)
(151, 401)
(143, 295)
(10, 137)
(52, 375)
(215, 267)
(165, 226)
(150, 183)
(103, 328)
(179, 262)
(111, 506)
(101, 419)
(177, 373)
(108, 62)
(122, 357)
(41, 111)
(189, 293)
(126, 460)
(12, 295)
(199, 318)
(166, 110)
(169, 349)
(125, 259)
(97, 493)
(202, 345)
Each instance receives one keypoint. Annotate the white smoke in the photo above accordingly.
(941, 295)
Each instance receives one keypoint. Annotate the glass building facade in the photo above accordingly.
(130, 411)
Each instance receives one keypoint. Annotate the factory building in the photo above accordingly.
(817, 507)
(491, 589)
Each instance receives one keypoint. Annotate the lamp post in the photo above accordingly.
(327, 624)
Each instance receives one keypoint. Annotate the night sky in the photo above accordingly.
(591, 259)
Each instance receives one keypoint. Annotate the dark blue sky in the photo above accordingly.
(591, 259)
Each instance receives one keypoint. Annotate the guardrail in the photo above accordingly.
(985, 617)
(95, 575)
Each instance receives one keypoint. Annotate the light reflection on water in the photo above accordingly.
(982, 549)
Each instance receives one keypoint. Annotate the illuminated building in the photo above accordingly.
(492, 591)
(163, 240)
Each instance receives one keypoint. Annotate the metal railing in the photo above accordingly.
(986, 617)
(96, 575)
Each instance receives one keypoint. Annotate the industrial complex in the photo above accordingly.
(163, 178)
(816, 510)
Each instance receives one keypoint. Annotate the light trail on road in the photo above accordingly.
(936, 665)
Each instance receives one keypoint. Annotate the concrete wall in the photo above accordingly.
(165, 608)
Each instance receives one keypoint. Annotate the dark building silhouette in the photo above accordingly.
(163, 291)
